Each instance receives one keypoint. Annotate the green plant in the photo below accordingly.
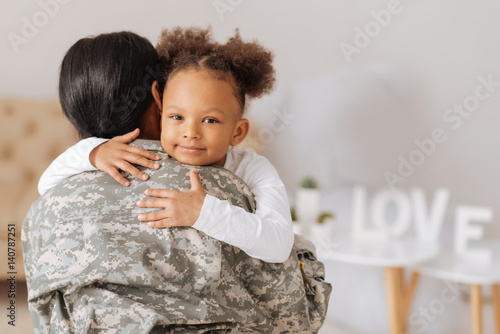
(324, 216)
(309, 183)
(293, 214)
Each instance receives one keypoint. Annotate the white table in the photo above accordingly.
(448, 266)
(394, 256)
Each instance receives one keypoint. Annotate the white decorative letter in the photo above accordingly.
(428, 223)
(359, 218)
(379, 211)
(464, 231)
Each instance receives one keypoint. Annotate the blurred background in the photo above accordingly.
(361, 84)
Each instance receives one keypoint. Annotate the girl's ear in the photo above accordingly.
(241, 131)
(156, 94)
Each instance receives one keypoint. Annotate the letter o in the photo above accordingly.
(380, 202)
(369, 31)
(139, 94)
(266, 136)
(467, 103)
(436, 306)
(416, 157)
(40, 15)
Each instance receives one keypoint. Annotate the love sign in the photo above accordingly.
(427, 219)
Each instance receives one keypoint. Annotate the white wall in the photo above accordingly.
(364, 114)
(351, 120)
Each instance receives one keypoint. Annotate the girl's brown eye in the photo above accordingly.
(210, 120)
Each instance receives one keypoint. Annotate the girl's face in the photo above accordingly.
(201, 118)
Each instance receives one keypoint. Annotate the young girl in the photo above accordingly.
(203, 98)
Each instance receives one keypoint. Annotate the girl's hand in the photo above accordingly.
(115, 155)
(180, 208)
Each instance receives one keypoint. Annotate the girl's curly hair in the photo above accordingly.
(249, 64)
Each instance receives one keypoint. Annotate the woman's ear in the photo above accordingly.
(241, 131)
(156, 94)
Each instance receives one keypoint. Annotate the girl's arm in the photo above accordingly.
(266, 235)
(98, 153)
(71, 162)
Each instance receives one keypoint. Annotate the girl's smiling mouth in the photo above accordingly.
(191, 149)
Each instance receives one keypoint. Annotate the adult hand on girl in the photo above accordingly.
(115, 155)
(180, 208)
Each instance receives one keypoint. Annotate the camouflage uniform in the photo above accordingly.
(93, 267)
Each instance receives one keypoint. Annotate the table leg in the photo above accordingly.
(476, 301)
(409, 293)
(401, 290)
(394, 299)
(495, 296)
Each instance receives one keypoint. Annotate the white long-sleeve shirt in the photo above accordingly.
(266, 235)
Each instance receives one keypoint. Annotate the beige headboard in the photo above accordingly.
(32, 134)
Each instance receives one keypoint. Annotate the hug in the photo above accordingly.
(155, 222)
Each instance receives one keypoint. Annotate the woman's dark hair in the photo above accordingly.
(247, 65)
(105, 83)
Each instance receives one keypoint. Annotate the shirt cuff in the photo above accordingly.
(204, 219)
(87, 145)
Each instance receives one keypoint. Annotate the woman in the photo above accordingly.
(90, 264)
